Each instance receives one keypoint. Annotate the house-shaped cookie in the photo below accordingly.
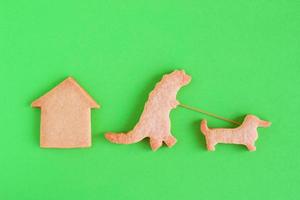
(65, 116)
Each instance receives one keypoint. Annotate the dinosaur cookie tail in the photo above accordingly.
(123, 138)
(203, 127)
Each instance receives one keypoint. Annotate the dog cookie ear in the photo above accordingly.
(246, 134)
(154, 122)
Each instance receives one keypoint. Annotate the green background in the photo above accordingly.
(244, 57)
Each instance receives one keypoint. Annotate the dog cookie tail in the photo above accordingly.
(124, 138)
(203, 127)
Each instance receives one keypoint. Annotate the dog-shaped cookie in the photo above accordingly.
(245, 134)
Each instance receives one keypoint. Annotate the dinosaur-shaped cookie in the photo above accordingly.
(154, 122)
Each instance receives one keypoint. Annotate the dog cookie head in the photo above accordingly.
(258, 122)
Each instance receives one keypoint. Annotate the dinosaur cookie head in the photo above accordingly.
(180, 77)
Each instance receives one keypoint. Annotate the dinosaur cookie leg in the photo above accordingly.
(170, 140)
(155, 143)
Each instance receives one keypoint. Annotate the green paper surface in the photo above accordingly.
(243, 56)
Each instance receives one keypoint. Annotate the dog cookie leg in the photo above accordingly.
(251, 147)
(210, 146)
(170, 140)
(155, 143)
